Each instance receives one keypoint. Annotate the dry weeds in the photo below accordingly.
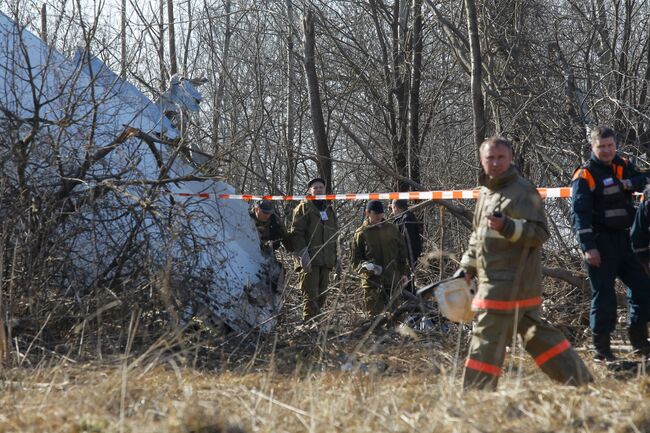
(394, 384)
(338, 378)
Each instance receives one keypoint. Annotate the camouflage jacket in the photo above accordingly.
(272, 232)
(314, 226)
(383, 245)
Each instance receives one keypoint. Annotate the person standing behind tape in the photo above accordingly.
(314, 234)
(504, 253)
(411, 230)
(641, 231)
(602, 213)
(269, 226)
(379, 255)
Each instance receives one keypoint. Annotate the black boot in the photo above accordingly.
(638, 334)
(603, 348)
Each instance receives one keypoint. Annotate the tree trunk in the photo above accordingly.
(478, 106)
(323, 158)
(401, 77)
(188, 38)
(172, 38)
(414, 102)
(161, 45)
(621, 121)
(123, 41)
(291, 109)
(44, 23)
(221, 87)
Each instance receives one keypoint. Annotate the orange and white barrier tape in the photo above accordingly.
(564, 192)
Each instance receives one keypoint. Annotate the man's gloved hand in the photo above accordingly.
(267, 246)
(305, 261)
(371, 268)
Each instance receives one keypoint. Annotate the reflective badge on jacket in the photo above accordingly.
(608, 182)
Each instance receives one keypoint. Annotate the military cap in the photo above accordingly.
(375, 206)
(265, 206)
(314, 180)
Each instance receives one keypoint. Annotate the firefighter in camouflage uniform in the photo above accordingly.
(504, 253)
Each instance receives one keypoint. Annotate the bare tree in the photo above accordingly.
(323, 157)
(172, 37)
(477, 66)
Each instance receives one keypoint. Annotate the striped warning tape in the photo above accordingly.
(410, 195)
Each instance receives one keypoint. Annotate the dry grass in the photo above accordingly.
(393, 383)
(336, 378)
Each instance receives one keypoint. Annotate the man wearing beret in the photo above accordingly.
(314, 235)
(379, 255)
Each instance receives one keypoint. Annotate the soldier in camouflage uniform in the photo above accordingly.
(379, 243)
(272, 233)
(314, 236)
(504, 253)
(269, 226)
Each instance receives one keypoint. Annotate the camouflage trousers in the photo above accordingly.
(313, 285)
(549, 348)
(380, 296)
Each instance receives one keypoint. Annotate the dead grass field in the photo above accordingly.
(307, 381)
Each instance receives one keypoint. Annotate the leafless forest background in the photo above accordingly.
(373, 95)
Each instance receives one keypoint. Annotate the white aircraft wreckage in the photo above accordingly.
(113, 161)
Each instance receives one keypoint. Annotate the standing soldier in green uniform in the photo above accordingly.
(314, 234)
(379, 254)
(269, 226)
(504, 253)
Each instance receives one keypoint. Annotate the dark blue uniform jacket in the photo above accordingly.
(599, 201)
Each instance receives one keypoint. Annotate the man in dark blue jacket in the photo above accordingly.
(603, 211)
(641, 231)
(411, 230)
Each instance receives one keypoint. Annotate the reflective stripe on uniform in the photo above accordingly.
(611, 190)
(609, 213)
(483, 367)
(618, 171)
(583, 173)
(519, 229)
(490, 304)
(640, 250)
(552, 352)
(583, 231)
(485, 232)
